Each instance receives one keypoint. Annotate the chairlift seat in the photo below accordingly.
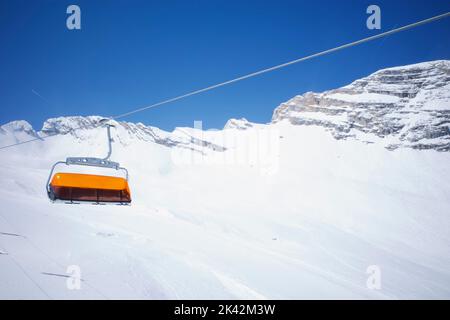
(88, 187)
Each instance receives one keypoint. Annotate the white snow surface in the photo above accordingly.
(309, 229)
(276, 211)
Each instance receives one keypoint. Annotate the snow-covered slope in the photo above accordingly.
(251, 211)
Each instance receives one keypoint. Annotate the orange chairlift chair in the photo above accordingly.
(96, 189)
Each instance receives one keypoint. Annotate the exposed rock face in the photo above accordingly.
(406, 106)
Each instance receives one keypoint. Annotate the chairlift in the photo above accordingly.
(75, 188)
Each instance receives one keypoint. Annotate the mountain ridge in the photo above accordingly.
(404, 106)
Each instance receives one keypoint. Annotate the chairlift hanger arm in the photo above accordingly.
(51, 174)
(108, 128)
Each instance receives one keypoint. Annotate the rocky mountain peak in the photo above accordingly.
(240, 124)
(410, 106)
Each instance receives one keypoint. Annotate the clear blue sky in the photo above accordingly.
(131, 54)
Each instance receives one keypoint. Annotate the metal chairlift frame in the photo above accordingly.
(92, 162)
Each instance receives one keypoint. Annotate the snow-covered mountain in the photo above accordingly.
(302, 207)
(399, 107)
(406, 106)
(126, 133)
